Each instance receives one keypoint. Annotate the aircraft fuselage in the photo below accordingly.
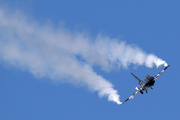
(147, 83)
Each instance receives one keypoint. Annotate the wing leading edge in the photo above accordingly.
(132, 96)
(160, 72)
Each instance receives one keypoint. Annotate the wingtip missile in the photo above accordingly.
(166, 67)
(125, 101)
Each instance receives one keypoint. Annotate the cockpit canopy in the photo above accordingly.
(147, 76)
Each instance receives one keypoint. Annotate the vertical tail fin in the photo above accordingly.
(140, 81)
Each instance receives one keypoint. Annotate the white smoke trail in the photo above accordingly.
(46, 51)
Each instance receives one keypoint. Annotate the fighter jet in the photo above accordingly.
(145, 85)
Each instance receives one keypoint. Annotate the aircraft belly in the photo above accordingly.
(151, 83)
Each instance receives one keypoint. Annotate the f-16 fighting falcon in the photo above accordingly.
(145, 85)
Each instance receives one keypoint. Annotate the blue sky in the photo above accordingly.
(153, 26)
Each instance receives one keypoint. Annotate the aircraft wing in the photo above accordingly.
(161, 72)
(132, 96)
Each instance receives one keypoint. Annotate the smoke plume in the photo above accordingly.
(66, 56)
